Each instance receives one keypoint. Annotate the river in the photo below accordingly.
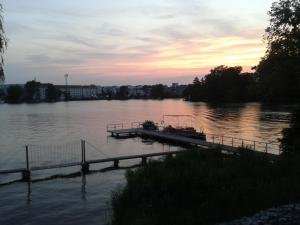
(85, 200)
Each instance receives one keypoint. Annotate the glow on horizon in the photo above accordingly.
(135, 42)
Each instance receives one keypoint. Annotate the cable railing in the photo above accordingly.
(254, 145)
(114, 126)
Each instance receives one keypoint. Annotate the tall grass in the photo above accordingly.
(204, 187)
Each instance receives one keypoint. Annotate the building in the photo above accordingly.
(78, 92)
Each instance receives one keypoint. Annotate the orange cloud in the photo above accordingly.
(183, 58)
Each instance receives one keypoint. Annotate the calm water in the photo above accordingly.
(85, 200)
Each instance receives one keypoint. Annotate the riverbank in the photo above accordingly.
(283, 215)
(205, 187)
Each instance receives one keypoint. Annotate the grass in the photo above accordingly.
(204, 187)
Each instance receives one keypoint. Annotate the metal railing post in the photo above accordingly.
(83, 151)
(222, 140)
(254, 145)
(27, 158)
(267, 148)
(213, 139)
(232, 142)
(26, 174)
(242, 143)
(85, 167)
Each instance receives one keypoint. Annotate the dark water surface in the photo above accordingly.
(85, 200)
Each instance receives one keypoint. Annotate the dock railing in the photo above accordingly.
(254, 145)
(136, 125)
(114, 126)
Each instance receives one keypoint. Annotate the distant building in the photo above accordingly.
(77, 92)
(43, 92)
(110, 91)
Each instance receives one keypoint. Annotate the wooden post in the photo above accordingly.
(82, 151)
(26, 174)
(267, 148)
(27, 158)
(242, 143)
(222, 140)
(84, 155)
(116, 164)
(144, 161)
(254, 145)
(213, 139)
(85, 167)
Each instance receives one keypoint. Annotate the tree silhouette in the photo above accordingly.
(3, 44)
(290, 141)
(279, 69)
(222, 84)
(14, 94)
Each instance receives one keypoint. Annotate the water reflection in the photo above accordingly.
(28, 193)
(83, 187)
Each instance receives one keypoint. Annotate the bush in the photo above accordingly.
(291, 135)
(204, 187)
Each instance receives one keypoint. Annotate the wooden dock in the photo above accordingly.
(227, 144)
(159, 135)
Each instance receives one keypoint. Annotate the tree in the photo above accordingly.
(279, 69)
(196, 81)
(123, 93)
(158, 91)
(290, 143)
(52, 93)
(3, 45)
(32, 90)
(14, 94)
(222, 84)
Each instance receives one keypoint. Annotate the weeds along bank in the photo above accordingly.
(205, 187)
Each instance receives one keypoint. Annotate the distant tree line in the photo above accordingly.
(30, 93)
(157, 91)
(276, 77)
(223, 84)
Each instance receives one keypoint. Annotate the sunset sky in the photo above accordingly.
(130, 41)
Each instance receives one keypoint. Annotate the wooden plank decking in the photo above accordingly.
(170, 137)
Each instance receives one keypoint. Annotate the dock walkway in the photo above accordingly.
(34, 160)
(169, 137)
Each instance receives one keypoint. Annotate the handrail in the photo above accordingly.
(224, 136)
(136, 124)
(114, 126)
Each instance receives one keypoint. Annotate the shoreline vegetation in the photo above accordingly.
(205, 187)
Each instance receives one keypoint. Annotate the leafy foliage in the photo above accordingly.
(3, 45)
(14, 94)
(158, 91)
(222, 84)
(291, 136)
(279, 69)
(52, 93)
(204, 187)
(123, 93)
(32, 90)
